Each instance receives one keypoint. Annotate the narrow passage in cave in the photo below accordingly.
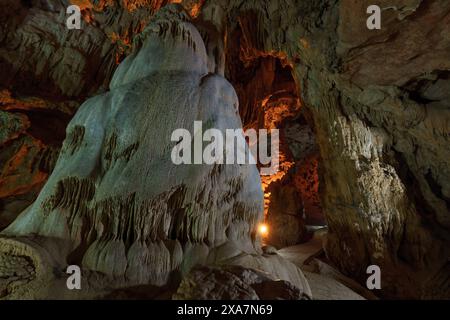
(269, 99)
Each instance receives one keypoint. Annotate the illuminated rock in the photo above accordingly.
(115, 203)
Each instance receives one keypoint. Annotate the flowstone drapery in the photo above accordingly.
(115, 203)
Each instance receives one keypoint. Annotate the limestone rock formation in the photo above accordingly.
(383, 144)
(47, 70)
(235, 283)
(117, 205)
(375, 101)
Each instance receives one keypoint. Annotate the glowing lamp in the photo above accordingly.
(263, 229)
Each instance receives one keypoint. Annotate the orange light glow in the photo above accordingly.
(263, 230)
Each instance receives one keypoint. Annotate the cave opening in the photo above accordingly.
(269, 99)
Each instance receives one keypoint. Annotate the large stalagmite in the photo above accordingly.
(115, 203)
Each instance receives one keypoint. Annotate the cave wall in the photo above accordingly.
(379, 103)
(380, 207)
(377, 100)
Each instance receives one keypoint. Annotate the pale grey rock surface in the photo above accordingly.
(116, 204)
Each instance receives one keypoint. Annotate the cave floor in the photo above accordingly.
(325, 281)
